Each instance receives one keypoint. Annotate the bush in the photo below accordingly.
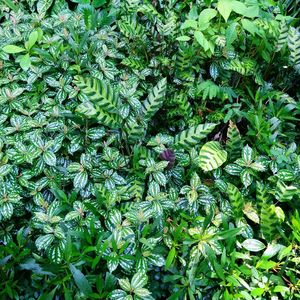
(148, 150)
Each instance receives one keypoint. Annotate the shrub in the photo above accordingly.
(148, 150)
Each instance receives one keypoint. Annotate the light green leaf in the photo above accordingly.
(32, 40)
(253, 245)
(231, 33)
(125, 284)
(203, 41)
(246, 178)
(224, 8)
(138, 280)
(11, 49)
(205, 16)
(183, 38)
(142, 292)
(189, 24)
(212, 156)
(251, 212)
(265, 264)
(250, 26)
(170, 258)
(25, 62)
(87, 108)
(241, 9)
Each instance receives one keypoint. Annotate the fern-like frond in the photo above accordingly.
(98, 92)
(294, 47)
(102, 101)
(131, 28)
(155, 99)
(133, 63)
(191, 137)
(244, 67)
(234, 142)
(236, 200)
(283, 36)
(262, 196)
(268, 222)
(133, 129)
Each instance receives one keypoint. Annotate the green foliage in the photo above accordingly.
(212, 156)
(148, 149)
(155, 99)
(191, 137)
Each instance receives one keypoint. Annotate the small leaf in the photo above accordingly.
(183, 38)
(25, 62)
(214, 71)
(138, 280)
(233, 169)
(6, 210)
(247, 154)
(49, 158)
(125, 284)
(43, 5)
(253, 245)
(81, 180)
(170, 258)
(55, 253)
(119, 295)
(189, 24)
(246, 178)
(32, 40)
(142, 292)
(272, 249)
(205, 16)
(5, 169)
(251, 213)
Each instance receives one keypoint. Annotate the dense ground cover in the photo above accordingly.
(149, 149)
